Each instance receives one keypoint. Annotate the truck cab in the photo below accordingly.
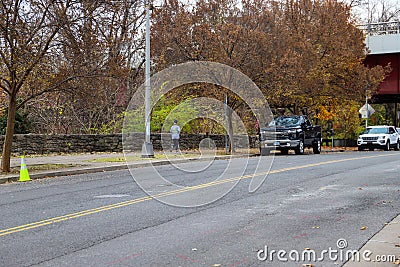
(286, 133)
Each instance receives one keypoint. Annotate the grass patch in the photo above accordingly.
(41, 167)
(170, 155)
(139, 157)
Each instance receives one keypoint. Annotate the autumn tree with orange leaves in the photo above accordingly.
(301, 54)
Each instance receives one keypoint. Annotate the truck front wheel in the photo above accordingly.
(284, 151)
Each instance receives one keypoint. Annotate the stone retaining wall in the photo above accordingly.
(340, 142)
(71, 143)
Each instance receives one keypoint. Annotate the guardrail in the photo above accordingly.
(381, 28)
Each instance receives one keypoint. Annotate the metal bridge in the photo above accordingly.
(383, 42)
(382, 38)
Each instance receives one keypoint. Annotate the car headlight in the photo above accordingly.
(382, 137)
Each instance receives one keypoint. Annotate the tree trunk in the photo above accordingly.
(5, 159)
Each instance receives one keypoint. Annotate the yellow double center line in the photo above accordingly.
(58, 219)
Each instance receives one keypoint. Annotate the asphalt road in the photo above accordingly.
(306, 203)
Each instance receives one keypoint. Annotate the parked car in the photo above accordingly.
(381, 137)
(290, 132)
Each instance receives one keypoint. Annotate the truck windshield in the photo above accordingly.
(376, 131)
(286, 121)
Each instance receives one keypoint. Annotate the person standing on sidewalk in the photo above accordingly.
(175, 131)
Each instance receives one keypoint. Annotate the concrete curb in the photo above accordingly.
(95, 169)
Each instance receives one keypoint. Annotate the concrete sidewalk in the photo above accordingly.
(71, 164)
(383, 249)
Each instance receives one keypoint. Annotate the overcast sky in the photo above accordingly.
(376, 8)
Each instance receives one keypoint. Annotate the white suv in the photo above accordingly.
(383, 137)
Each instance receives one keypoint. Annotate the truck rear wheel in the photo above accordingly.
(317, 147)
(300, 148)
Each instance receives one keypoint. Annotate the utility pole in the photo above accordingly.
(226, 123)
(366, 104)
(147, 147)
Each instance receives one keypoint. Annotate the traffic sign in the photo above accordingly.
(366, 111)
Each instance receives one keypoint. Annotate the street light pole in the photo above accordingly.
(147, 147)
(226, 123)
(366, 104)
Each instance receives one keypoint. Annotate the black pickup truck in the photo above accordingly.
(290, 132)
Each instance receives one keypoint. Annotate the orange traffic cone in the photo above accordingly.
(23, 173)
